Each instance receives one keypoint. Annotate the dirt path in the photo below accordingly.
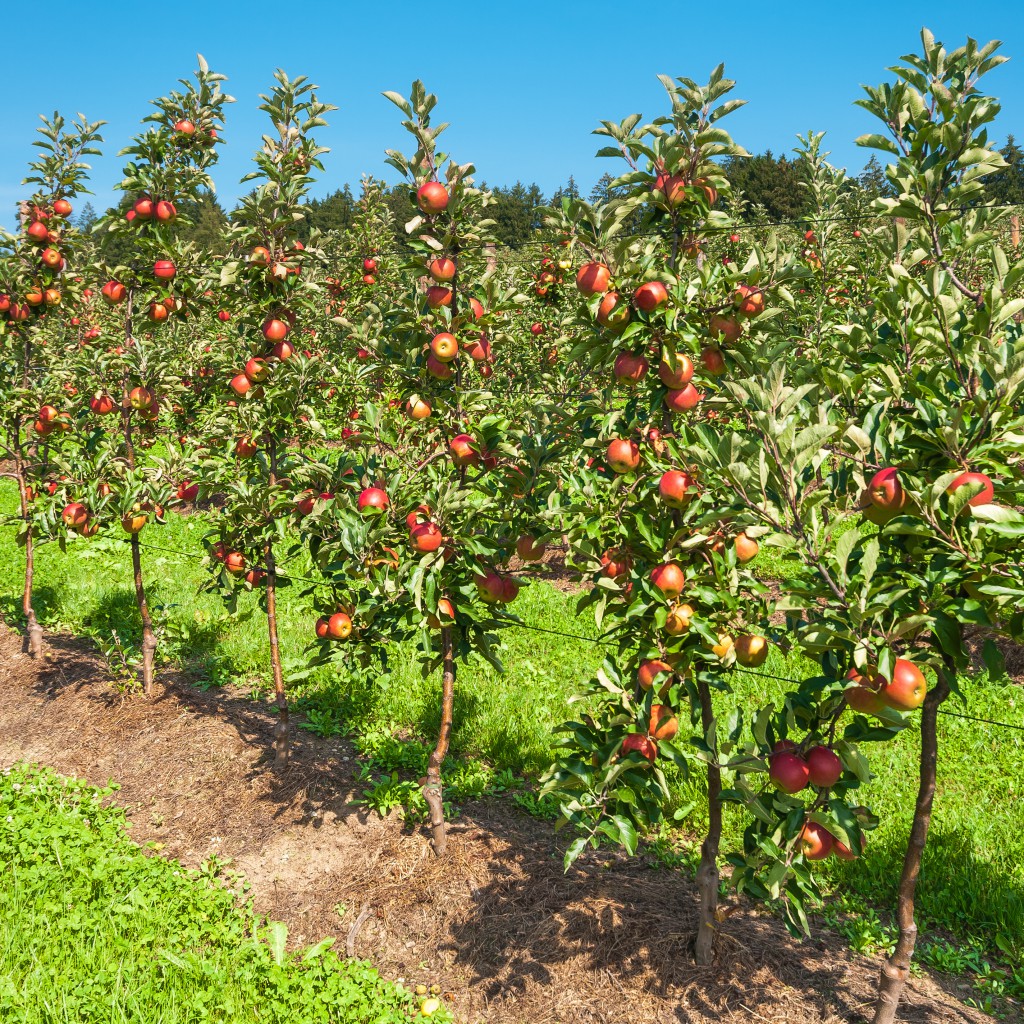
(509, 937)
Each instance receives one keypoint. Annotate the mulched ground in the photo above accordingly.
(508, 935)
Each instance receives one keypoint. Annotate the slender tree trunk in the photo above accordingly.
(432, 790)
(896, 969)
(280, 699)
(148, 634)
(707, 871)
(281, 736)
(33, 631)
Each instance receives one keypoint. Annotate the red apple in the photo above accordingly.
(675, 371)
(613, 312)
(274, 329)
(432, 197)
(339, 626)
(631, 367)
(824, 767)
(682, 399)
(637, 742)
(669, 579)
(491, 587)
(529, 549)
(650, 672)
(623, 456)
(593, 279)
(463, 450)
(649, 296)
(885, 489)
(908, 687)
(674, 488)
(788, 771)
(373, 500)
(984, 496)
(425, 537)
(441, 269)
(815, 841)
(164, 270)
(444, 347)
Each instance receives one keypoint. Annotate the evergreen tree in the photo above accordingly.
(873, 180)
(1006, 187)
(771, 183)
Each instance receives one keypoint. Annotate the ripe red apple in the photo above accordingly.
(257, 370)
(339, 626)
(370, 265)
(509, 589)
(675, 371)
(101, 404)
(372, 500)
(437, 297)
(751, 650)
(425, 537)
(274, 329)
(669, 579)
(815, 841)
(165, 211)
(529, 549)
(748, 301)
(984, 496)
(713, 361)
(650, 670)
(788, 771)
(185, 127)
(885, 489)
(164, 270)
(824, 767)
(113, 292)
(417, 408)
(282, 350)
(630, 366)
(593, 279)
(38, 231)
(490, 586)
(51, 258)
(615, 563)
(463, 450)
(908, 687)
(442, 269)
(865, 694)
(187, 491)
(140, 398)
(442, 371)
(240, 384)
(663, 724)
(649, 296)
(613, 312)
(536, 329)
(75, 515)
(637, 742)
(682, 399)
(746, 548)
(674, 488)
(444, 346)
(623, 456)
(62, 208)
(223, 316)
(671, 188)
(477, 308)
(432, 197)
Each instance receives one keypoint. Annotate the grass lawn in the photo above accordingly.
(973, 875)
(93, 931)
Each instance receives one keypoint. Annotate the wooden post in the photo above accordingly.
(1015, 231)
(492, 257)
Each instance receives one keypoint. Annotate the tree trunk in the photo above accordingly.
(432, 790)
(896, 969)
(281, 750)
(148, 636)
(33, 631)
(707, 871)
(280, 699)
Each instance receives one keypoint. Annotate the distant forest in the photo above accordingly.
(769, 186)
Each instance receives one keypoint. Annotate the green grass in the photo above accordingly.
(93, 931)
(972, 880)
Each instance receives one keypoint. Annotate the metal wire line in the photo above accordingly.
(598, 640)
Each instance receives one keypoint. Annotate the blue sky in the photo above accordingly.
(523, 85)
